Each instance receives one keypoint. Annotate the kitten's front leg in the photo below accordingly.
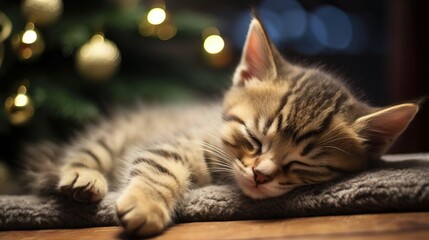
(158, 180)
(82, 176)
(93, 155)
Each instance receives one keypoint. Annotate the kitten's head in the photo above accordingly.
(289, 126)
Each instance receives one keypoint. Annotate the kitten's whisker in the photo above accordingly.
(219, 164)
(219, 170)
(337, 148)
(336, 139)
(332, 136)
(239, 164)
(330, 139)
(210, 146)
(212, 135)
(228, 164)
(331, 130)
(220, 160)
(226, 172)
(378, 131)
(221, 157)
(217, 138)
(214, 148)
(215, 162)
(199, 172)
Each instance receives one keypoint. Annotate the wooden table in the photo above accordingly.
(369, 226)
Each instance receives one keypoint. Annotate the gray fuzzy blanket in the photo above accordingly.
(395, 185)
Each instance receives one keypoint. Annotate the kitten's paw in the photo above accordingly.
(141, 214)
(83, 185)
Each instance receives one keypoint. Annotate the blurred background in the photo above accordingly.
(64, 63)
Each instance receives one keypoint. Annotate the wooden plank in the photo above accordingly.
(371, 226)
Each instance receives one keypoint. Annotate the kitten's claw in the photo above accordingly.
(141, 215)
(83, 185)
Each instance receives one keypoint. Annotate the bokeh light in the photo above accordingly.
(214, 44)
(29, 36)
(280, 6)
(336, 31)
(21, 100)
(323, 29)
(156, 16)
(294, 23)
(166, 32)
(308, 44)
(319, 29)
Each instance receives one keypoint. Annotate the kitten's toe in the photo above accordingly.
(142, 216)
(83, 185)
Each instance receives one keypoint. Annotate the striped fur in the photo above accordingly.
(280, 126)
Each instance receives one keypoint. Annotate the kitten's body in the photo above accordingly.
(280, 126)
(147, 127)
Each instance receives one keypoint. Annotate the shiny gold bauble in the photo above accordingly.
(42, 12)
(5, 29)
(19, 107)
(98, 59)
(28, 45)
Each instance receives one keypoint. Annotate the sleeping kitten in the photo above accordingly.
(281, 126)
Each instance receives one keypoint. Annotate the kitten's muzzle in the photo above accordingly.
(260, 178)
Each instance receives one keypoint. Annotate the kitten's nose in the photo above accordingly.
(264, 171)
(260, 178)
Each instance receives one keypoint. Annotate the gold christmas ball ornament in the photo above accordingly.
(19, 107)
(5, 29)
(42, 12)
(28, 45)
(98, 59)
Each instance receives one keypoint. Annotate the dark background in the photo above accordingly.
(384, 46)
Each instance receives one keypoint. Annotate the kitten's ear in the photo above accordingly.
(380, 129)
(257, 59)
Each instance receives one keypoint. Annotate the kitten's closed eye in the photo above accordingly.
(307, 149)
(256, 143)
(286, 168)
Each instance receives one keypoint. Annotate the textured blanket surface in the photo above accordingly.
(399, 184)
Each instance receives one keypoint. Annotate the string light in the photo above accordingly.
(157, 23)
(29, 36)
(166, 32)
(156, 16)
(214, 44)
(21, 98)
(28, 45)
(19, 107)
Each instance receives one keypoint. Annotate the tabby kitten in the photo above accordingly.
(281, 126)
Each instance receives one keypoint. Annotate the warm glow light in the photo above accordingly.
(21, 100)
(166, 32)
(156, 16)
(29, 37)
(214, 44)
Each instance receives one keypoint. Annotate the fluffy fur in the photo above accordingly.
(279, 127)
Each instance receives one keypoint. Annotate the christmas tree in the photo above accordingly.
(66, 63)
